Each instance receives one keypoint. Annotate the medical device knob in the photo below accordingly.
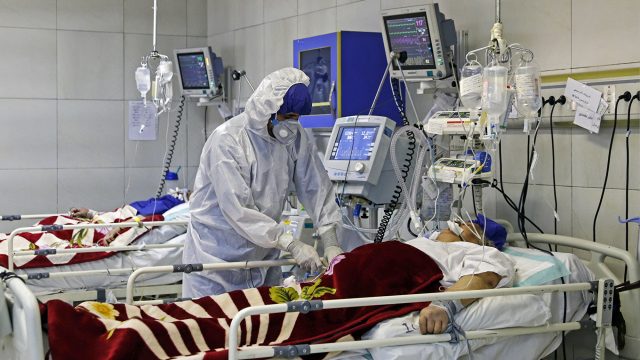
(359, 167)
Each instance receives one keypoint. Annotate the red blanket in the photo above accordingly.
(105, 331)
(64, 239)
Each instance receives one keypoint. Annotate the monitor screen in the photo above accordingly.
(193, 71)
(316, 63)
(354, 143)
(410, 33)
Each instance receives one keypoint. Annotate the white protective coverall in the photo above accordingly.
(241, 188)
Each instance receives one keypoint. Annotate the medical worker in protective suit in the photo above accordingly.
(246, 168)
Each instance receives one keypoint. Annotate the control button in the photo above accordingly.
(439, 73)
(429, 73)
(359, 167)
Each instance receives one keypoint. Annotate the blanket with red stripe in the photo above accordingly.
(200, 327)
(77, 238)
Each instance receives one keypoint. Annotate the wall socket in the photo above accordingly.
(609, 93)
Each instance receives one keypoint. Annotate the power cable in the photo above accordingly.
(627, 97)
(626, 185)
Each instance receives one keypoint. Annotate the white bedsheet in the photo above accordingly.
(518, 347)
(166, 234)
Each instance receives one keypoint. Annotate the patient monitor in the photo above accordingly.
(358, 158)
(200, 72)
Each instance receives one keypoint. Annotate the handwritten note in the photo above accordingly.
(143, 123)
(590, 120)
(585, 96)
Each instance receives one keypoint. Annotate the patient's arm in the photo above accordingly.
(434, 319)
(83, 213)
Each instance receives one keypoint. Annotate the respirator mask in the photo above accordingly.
(285, 131)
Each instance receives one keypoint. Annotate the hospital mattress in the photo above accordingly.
(488, 313)
(166, 234)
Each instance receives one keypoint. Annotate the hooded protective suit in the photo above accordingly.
(240, 191)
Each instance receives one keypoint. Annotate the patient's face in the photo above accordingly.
(467, 234)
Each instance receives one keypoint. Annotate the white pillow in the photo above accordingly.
(178, 212)
(487, 313)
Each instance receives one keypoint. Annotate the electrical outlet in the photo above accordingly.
(610, 96)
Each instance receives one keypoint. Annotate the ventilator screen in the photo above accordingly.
(354, 143)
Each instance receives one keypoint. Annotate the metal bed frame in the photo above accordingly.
(87, 294)
(252, 352)
(33, 344)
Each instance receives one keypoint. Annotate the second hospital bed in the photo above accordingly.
(160, 245)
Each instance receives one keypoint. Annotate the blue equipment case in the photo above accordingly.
(345, 69)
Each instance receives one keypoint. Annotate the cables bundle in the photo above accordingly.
(406, 166)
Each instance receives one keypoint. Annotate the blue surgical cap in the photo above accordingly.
(296, 100)
(492, 231)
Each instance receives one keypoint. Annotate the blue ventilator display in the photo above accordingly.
(410, 33)
(193, 71)
(354, 143)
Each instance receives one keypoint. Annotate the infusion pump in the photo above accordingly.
(457, 170)
(453, 123)
(357, 158)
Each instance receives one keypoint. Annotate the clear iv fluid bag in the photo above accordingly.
(528, 96)
(471, 85)
(143, 80)
(494, 91)
(165, 69)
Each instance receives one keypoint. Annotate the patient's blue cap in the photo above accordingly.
(296, 100)
(492, 231)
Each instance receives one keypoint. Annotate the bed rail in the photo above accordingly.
(189, 268)
(26, 325)
(25, 217)
(306, 306)
(599, 252)
(11, 253)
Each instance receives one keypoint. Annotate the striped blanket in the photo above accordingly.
(78, 238)
(199, 329)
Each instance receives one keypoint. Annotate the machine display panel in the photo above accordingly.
(410, 33)
(193, 71)
(354, 143)
(316, 63)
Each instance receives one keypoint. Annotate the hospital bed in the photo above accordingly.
(388, 340)
(546, 339)
(97, 279)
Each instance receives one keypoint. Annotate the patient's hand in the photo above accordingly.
(433, 320)
(79, 213)
(111, 235)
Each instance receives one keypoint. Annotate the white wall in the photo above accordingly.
(566, 35)
(67, 76)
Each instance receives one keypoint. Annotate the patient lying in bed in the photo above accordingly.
(150, 207)
(201, 326)
(98, 236)
(466, 265)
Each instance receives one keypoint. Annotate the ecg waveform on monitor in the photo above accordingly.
(411, 34)
(404, 41)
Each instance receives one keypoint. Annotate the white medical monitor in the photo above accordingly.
(357, 157)
(357, 148)
(425, 35)
(199, 71)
